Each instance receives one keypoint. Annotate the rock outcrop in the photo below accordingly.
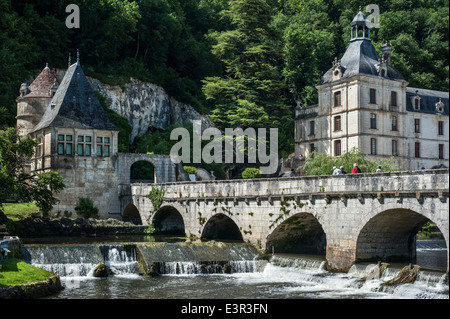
(408, 274)
(147, 105)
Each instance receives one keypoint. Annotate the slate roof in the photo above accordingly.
(428, 100)
(361, 58)
(75, 105)
(41, 86)
(359, 19)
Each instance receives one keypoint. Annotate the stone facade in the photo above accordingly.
(362, 216)
(364, 103)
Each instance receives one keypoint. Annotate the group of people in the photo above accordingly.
(355, 170)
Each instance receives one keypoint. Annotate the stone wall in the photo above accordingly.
(101, 179)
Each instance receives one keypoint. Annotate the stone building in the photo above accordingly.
(77, 139)
(365, 103)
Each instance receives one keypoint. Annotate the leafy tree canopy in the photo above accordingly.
(15, 154)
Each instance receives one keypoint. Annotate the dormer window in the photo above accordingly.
(382, 68)
(337, 70)
(440, 106)
(416, 102)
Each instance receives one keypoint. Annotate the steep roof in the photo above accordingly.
(361, 58)
(75, 105)
(41, 86)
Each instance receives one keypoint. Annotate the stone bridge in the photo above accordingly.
(347, 218)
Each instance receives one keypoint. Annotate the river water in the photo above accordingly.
(282, 277)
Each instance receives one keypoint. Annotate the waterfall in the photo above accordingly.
(224, 267)
(170, 258)
(120, 259)
(65, 261)
(298, 262)
(81, 260)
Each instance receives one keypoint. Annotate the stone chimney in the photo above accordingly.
(386, 52)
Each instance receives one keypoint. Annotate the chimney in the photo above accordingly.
(386, 52)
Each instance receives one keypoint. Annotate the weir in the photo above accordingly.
(238, 265)
(143, 258)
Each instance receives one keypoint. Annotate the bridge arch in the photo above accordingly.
(220, 226)
(131, 214)
(300, 233)
(168, 220)
(389, 234)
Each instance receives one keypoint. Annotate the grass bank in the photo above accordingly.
(17, 272)
(20, 210)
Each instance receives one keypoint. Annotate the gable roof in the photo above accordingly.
(75, 105)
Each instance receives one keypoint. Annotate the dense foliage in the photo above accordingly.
(40, 188)
(322, 164)
(251, 172)
(244, 63)
(85, 208)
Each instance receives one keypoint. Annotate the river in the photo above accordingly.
(282, 277)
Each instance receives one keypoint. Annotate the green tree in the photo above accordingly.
(85, 208)
(309, 46)
(15, 154)
(251, 172)
(251, 91)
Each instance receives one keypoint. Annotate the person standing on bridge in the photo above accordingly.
(336, 171)
(355, 169)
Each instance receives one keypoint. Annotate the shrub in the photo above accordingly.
(190, 169)
(251, 172)
(322, 163)
(156, 196)
(85, 208)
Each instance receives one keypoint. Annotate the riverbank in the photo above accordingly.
(20, 280)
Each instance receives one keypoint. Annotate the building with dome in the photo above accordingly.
(365, 103)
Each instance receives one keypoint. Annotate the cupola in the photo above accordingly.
(360, 29)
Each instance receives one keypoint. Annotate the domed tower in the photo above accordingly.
(360, 29)
(34, 100)
(361, 103)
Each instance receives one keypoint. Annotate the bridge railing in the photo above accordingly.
(416, 183)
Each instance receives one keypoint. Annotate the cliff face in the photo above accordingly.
(145, 105)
